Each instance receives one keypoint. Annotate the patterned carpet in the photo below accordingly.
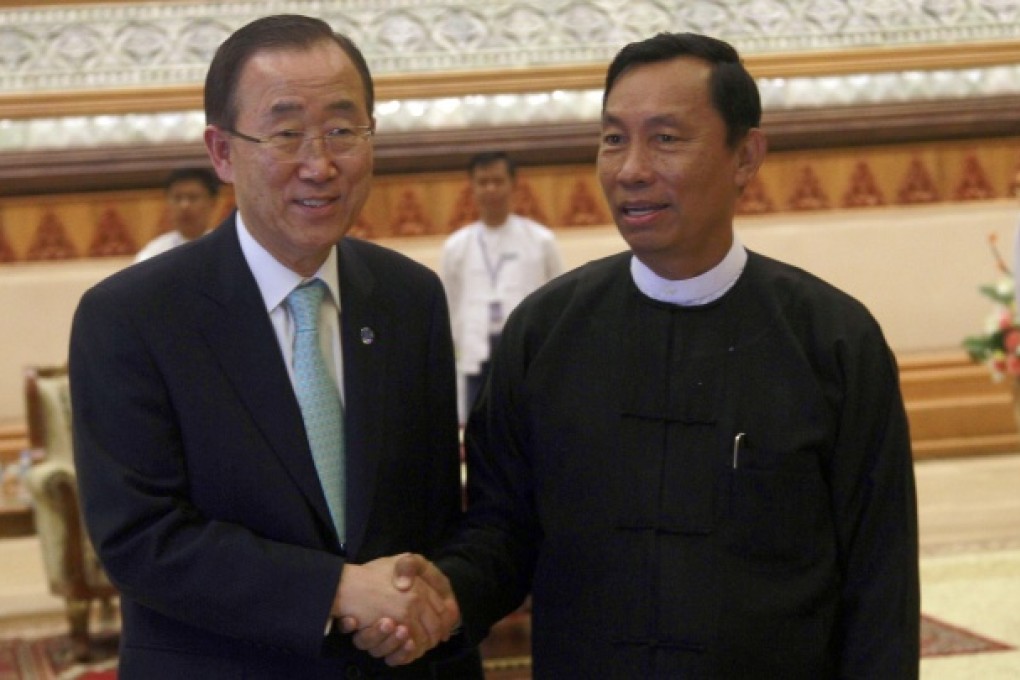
(942, 639)
(973, 595)
(49, 657)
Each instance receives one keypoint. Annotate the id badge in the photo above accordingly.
(495, 315)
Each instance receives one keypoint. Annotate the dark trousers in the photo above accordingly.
(474, 382)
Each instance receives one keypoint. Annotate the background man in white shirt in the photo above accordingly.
(489, 266)
(190, 199)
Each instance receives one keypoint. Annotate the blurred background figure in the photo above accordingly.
(190, 198)
(489, 266)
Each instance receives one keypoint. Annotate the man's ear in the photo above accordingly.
(750, 155)
(217, 143)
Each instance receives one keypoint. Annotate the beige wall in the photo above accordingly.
(37, 302)
(916, 268)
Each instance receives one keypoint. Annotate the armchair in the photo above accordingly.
(72, 568)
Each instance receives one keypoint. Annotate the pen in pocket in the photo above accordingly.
(738, 444)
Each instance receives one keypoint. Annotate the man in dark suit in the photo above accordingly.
(240, 511)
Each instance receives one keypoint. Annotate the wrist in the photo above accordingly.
(343, 590)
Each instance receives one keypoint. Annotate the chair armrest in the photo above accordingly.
(71, 565)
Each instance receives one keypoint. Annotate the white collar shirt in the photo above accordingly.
(276, 281)
(699, 290)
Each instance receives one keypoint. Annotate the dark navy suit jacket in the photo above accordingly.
(197, 483)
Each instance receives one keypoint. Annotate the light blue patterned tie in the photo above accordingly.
(318, 397)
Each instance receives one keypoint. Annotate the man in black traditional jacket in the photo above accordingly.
(695, 458)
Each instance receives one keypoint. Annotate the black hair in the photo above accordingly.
(277, 32)
(487, 158)
(734, 94)
(205, 176)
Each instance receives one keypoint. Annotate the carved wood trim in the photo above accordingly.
(919, 121)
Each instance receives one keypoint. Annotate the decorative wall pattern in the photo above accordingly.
(97, 46)
(166, 43)
(564, 197)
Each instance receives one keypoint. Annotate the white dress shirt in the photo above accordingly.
(276, 281)
(160, 244)
(486, 272)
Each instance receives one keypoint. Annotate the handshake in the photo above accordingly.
(397, 607)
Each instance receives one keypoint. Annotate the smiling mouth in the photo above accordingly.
(315, 202)
(640, 210)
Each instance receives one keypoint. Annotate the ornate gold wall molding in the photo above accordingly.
(107, 95)
(15, 105)
(94, 58)
(90, 45)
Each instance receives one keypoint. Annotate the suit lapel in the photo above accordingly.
(368, 331)
(239, 333)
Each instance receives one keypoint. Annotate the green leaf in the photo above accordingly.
(993, 293)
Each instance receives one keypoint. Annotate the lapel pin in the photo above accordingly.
(367, 336)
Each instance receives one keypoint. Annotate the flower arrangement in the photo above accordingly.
(999, 345)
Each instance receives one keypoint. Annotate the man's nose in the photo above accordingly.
(315, 158)
(635, 164)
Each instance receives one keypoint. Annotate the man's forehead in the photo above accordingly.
(664, 73)
(496, 167)
(321, 66)
(632, 116)
(669, 100)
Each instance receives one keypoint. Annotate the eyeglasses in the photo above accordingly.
(286, 145)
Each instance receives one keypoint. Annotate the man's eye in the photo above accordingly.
(286, 135)
(664, 138)
(340, 133)
(611, 139)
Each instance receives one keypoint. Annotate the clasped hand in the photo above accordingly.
(397, 607)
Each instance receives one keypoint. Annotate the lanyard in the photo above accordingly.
(493, 269)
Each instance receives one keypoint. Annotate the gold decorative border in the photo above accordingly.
(536, 79)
